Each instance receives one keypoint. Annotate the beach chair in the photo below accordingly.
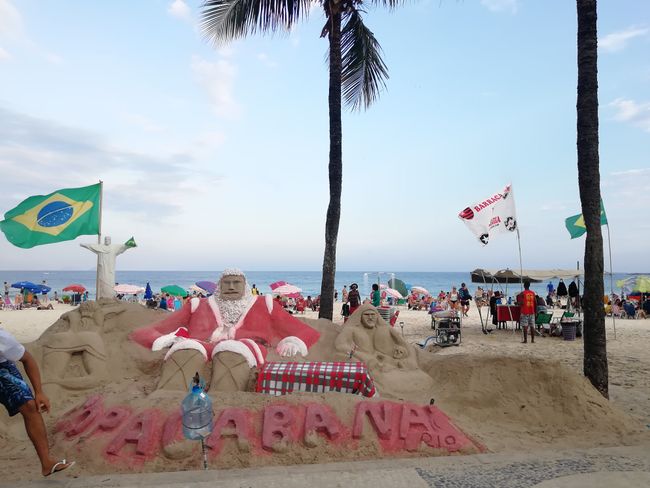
(8, 305)
(543, 321)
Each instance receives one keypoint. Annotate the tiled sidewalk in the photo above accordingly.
(600, 467)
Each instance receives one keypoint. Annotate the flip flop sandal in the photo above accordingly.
(63, 462)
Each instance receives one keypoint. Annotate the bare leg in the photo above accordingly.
(35, 428)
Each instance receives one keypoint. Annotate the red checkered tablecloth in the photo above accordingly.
(277, 378)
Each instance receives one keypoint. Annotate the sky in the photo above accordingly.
(216, 156)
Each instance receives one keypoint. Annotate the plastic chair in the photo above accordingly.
(8, 304)
(542, 319)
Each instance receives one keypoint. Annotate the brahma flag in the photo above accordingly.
(494, 214)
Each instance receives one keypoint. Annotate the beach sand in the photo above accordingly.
(506, 395)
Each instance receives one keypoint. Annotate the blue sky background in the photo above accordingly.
(216, 157)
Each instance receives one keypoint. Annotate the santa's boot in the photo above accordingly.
(179, 369)
(231, 372)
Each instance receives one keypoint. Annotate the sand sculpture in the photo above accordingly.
(117, 401)
(106, 254)
(232, 329)
(392, 362)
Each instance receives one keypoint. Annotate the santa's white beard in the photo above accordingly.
(232, 310)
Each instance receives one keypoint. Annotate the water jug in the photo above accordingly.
(196, 411)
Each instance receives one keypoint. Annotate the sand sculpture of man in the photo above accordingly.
(232, 329)
(106, 254)
(392, 362)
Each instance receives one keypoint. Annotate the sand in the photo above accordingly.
(505, 395)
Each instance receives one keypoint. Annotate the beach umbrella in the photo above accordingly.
(399, 285)
(287, 290)
(24, 284)
(148, 294)
(208, 286)
(393, 293)
(126, 289)
(174, 290)
(420, 290)
(197, 289)
(277, 284)
(75, 288)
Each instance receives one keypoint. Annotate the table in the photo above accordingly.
(279, 378)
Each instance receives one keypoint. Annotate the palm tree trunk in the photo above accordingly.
(335, 165)
(595, 339)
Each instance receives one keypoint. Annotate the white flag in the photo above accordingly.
(494, 214)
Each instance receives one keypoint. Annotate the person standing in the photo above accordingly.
(344, 294)
(6, 290)
(465, 297)
(354, 299)
(550, 287)
(254, 291)
(17, 397)
(527, 300)
(375, 296)
(44, 296)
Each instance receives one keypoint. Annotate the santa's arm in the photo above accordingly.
(295, 336)
(146, 336)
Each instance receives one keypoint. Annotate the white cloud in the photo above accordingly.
(143, 122)
(617, 41)
(218, 80)
(266, 61)
(501, 5)
(4, 55)
(53, 58)
(180, 10)
(11, 22)
(637, 114)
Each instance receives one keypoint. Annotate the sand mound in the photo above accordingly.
(502, 403)
(515, 403)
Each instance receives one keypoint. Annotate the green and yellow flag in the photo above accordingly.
(59, 216)
(576, 224)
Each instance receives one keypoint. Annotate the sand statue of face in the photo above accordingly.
(369, 318)
(232, 287)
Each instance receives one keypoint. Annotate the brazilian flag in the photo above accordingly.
(59, 216)
(576, 223)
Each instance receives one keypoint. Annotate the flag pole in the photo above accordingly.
(99, 237)
(611, 276)
(521, 265)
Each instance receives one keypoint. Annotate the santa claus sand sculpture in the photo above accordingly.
(231, 331)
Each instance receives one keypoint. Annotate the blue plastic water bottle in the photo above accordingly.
(196, 412)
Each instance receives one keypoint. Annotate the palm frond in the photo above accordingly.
(363, 73)
(391, 4)
(225, 20)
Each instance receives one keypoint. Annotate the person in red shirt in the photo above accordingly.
(527, 301)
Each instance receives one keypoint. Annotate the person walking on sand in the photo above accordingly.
(17, 397)
(527, 300)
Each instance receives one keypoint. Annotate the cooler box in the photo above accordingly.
(278, 378)
(508, 313)
(385, 312)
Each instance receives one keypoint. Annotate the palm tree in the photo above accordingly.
(356, 72)
(595, 340)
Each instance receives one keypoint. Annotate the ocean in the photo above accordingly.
(308, 281)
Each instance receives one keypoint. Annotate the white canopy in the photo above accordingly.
(532, 274)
